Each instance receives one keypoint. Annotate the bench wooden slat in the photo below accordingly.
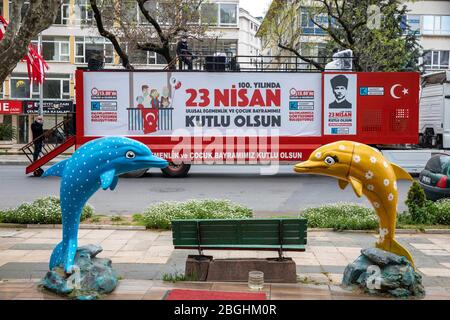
(252, 234)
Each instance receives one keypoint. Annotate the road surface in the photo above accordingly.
(285, 193)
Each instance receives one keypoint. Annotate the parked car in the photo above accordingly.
(435, 178)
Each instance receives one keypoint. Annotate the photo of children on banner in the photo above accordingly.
(150, 103)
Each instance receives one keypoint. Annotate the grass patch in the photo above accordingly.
(41, 211)
(159, 216)
(116, 219)
(177, 277)
(341, 216)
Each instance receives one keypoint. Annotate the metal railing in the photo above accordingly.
(52, 138)
(246, 63)
(136, 119)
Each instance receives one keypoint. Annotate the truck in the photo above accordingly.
(434, 112)
(246, 117)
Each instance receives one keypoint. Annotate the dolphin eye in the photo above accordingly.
(330, 161)
(130, 155)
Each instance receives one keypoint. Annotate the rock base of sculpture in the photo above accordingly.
(94, 278)
(382, 273)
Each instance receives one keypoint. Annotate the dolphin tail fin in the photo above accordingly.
(55, 170)
(57, 255)
(395, 247)
(400, 173)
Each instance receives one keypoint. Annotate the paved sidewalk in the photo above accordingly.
(142, 258)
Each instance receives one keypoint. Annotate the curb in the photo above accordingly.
(142, 228)
(82, 226)
(398, 231)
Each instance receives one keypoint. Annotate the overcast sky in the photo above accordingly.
(256, 8)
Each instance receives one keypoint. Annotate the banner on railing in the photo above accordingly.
(165, 103)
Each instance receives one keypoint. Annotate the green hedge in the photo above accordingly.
(159, 216)
(42, 211)
(341, 216)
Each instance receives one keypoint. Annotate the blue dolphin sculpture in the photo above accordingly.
(96, 164)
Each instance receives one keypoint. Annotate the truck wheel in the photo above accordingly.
(38, 172)
(134, 174)
(176, 171)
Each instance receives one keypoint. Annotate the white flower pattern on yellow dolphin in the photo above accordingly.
(369, 175)
(383, 233)
(366, 170)
(318, 155)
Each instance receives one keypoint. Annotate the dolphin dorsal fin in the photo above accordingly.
(357, 186)
(343, 184)
(400, 173)
(56, 170)
(107, 179)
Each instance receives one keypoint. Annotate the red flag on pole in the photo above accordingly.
(36, 65)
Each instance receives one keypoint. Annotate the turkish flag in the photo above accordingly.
(150, 117)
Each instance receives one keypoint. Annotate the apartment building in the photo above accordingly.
(428, 19)
(431, 21)
(72, 40)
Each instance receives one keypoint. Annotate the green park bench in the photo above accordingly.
(241, 234)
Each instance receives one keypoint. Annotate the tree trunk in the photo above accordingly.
(39, 16)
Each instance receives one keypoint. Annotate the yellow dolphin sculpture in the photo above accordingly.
(369, 173)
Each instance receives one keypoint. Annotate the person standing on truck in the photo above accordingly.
(184, 54)
(340, 86)
(37, 128)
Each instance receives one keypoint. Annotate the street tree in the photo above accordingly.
(136, 26)
(26, 20)
(376, 31)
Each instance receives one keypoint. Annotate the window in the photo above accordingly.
(56, 87)
(436, 60)
(210, 14)
(20, 88)
(223, 14)
(62, 17)
(307, 24)
(24, 9)
(54, 48)
(151, 7)
(145, 57)
(410, 24)
(228, 14)
(436, 25)
(1, 91)
(83, 13)
(210, 47)
(86, 47)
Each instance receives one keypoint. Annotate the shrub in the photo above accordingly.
(42, 211)
(159, 216)
(341, 216)
(420, 210)
(442, 212)
(7, 132)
